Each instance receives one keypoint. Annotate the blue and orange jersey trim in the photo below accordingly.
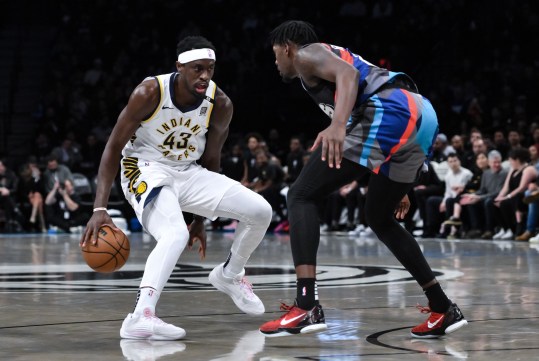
(342, 53)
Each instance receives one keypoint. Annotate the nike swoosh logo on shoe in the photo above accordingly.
(285, 321)
(431, 325)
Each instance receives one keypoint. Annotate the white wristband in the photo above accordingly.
(100, 209)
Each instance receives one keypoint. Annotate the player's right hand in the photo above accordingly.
(91, 233)
(332, 141)
(197, 233)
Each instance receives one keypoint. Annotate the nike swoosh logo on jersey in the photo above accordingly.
(431, 325)
(285, 322)
(165, 107)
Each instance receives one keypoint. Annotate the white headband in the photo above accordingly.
(196, 54)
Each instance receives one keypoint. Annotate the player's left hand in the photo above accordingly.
(402, 208)
(197, 232)
(332, 140)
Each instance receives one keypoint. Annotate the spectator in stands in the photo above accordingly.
(67, 154)
(253, 144)
(263, 145)
(472, 186)
(361, 228)
(30, 196)
(535, 140)
(232, 163)
(500, 143)
(478, 146)
(534, 156)
(55, 172)
(508, 206)
(458, 146)
(440, 148)
(526, 138)
(531, 198)
(474, 135)
(347, 196)
(8, 189)
(476, 204)
(294, 160)
(62, 208)
(428, 185)
(268, 183)
(514, 139)
(74, 64)
(455, 181)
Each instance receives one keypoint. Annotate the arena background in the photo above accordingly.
(67, 66)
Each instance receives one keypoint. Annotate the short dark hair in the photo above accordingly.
(52, 157)
(453, 155)
(255, 135)
(522, 154)
(296, 31)
(193, 42)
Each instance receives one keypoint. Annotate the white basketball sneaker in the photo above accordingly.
(239, 289)
(148, 326)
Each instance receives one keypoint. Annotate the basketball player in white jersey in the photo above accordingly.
(171, 132)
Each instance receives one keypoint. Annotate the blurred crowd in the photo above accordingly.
(468, 58)
(477, 186)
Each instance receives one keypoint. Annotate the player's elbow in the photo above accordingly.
(354, 75)
(349, 77)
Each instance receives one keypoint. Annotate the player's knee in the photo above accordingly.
(175, 235)
(257, 212)
(262, 212)
(376, 220)
(294, 195)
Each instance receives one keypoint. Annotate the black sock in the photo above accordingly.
(307, 293)
(227, 260)
(138, 296)
(438, 301)
(136, 302)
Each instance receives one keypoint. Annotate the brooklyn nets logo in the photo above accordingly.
(191, 277)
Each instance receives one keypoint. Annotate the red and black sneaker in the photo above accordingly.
(295, 321)
(439, 324)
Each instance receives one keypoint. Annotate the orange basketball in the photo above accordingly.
(110, 253)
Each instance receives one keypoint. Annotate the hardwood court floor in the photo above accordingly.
(53, 307)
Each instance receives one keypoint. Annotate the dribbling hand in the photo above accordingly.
(98, 219)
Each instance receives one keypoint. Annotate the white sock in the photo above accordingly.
(234, 265)
(146, 301)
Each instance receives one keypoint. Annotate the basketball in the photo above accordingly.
(110, 253)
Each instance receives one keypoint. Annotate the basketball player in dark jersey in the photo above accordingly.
(381, 125)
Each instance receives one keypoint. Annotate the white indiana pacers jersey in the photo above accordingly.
(172, 136)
